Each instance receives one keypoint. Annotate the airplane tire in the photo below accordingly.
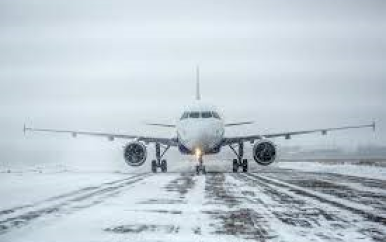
(245, 165)
(164, 166)
(235, 166)
(154, 166)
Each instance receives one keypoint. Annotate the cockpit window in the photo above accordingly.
(206, 114)
(185, 116)
(194, 115)
(215, 115)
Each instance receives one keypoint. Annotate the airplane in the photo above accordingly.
(200, 131)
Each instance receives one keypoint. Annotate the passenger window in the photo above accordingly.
(206, 114)
(194, 115)
(215, 115)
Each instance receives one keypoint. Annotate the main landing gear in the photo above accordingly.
(159, 162)
(239, 162)
(200, 168)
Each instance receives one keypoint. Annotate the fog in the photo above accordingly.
(113, 65)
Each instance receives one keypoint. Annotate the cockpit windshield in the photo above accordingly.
(185, 116)
(194, 115)
(205, 114)
(215, 115)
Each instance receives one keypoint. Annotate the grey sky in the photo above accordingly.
(110, 65)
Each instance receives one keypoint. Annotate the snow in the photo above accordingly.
(180, 206)
(24, 188)
(349, 169)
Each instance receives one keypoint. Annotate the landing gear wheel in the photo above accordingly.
(235, 166)
(154, 166)
(245, 165)
(164, 166)
(200, 169)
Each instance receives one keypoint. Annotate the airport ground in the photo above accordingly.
(293, 201)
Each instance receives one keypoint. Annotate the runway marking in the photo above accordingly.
(69, 202)
(324, 198)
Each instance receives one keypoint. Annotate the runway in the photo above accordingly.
(275, 204)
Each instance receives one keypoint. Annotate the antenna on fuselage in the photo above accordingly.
(198, 94)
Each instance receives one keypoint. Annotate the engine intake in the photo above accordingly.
(264, 152)
(135, 153)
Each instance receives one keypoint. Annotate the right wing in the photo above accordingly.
(110, 136)
(288, 135)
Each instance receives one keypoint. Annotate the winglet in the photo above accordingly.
(373, 125)
(24, 129)
(198, 94)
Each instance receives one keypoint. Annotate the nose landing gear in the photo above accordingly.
(239, 162)
(200, 168)
(159, 162)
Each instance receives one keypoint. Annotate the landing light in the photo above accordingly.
(198, 152)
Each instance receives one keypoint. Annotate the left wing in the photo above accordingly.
(238, 123)
(288, 135)
(110, 136)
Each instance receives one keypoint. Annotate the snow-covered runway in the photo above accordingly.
(275, 204)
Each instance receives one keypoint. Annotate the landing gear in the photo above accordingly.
(235, 165)
(154, 166)
(200, 168)
(164, 166)
(158, 162)
(239, 162)
(245, 165)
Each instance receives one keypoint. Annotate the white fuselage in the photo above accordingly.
(201, 128)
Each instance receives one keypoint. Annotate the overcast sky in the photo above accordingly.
(111, 65)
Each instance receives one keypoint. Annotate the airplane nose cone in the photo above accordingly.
(202, 139)
(198, 139)
(201, 135)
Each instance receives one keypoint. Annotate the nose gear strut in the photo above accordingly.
(200, 168)
(158, 162)
(239, 162)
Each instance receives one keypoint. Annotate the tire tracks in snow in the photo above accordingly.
(364, 191)
(324, 198)
(305, 208)
(236, 218)
(65, 203)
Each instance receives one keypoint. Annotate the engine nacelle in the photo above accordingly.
(264, 152)
(135, 153)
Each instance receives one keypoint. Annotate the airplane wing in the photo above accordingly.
(288, 135)
(162, 125)
(238, 123)
(109, 136)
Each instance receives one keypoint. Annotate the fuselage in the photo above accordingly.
(200, 129)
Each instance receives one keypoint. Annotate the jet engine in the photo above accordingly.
(135, 153)
(264, 152)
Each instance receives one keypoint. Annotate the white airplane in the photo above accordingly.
(200, 131)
